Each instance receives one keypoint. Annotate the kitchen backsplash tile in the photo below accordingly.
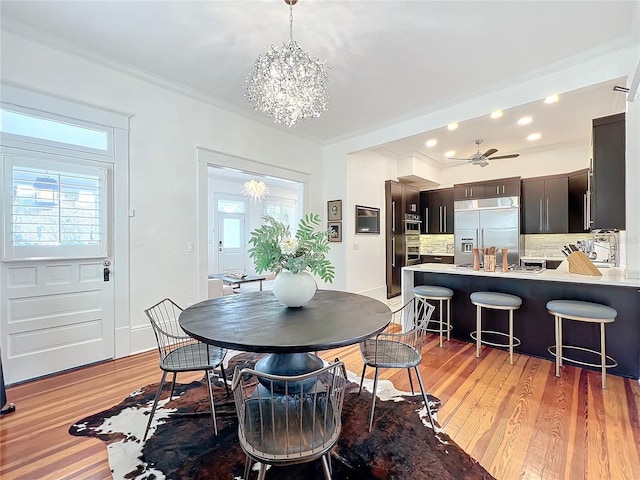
(436, 244)
(548, 245)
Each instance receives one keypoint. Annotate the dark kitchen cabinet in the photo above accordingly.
(579, 206)
(436, 208)
(608, 165)
(506, 187)
(437, 259)
(545, 205)
(503, 187)
(399, 199)
(468, 191)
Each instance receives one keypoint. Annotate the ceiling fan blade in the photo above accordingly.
(491, 151)
(458, 158)
(505, 156)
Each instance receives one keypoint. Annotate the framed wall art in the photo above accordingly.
(334, 210)
(335, 231)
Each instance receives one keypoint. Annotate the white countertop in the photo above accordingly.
(610, 276)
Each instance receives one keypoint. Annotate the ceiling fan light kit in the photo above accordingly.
(288, 83)
(482, 159)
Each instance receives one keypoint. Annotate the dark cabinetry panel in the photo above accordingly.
(399, 199)
(608, 200)
(579, 202)
(508, 187)
(502, 187)
(436, 208)
(469, 191)
(437, 259)
(545, 205)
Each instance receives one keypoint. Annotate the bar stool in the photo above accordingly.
(422, 294)
(581, 312)
(495, 301)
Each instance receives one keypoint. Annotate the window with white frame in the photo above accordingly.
(54, 212)
(282, 210)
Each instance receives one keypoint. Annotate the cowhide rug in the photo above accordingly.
(402, 444)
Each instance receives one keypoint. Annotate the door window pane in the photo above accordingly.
(231, 206)
(231, 235)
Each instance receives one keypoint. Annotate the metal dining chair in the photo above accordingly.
(284, 420)
(394, 349)
(181, 353)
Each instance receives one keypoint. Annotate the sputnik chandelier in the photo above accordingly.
(255, 189)
(287, 83)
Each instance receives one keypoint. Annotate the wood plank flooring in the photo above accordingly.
(519, 421)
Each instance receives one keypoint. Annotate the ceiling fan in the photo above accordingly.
(482, 158)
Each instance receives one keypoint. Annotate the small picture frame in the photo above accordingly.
(335, 231)
(334, 210)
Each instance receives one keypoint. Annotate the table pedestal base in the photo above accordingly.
(288, 364)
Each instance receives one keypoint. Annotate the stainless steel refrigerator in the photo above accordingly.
(487, 222)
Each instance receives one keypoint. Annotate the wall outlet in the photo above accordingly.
(190, 247)
(356, 246)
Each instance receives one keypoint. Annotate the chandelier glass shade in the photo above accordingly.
(288, 83)
(255, 189)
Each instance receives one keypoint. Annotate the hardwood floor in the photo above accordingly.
(518, 421)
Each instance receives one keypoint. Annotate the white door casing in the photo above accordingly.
(57, 311)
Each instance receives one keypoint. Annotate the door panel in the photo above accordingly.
(58, 312)
(231, 242)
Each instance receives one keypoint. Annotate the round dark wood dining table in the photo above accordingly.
(258, 322)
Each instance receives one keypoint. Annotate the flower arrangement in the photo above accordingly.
(274, 249)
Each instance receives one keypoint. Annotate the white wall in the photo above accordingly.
(166, 127)
(365, 253)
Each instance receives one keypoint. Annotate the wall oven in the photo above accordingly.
(412, 224)
(412, 249)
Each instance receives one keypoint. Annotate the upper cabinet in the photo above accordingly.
(608, 165)
(436, 208)
(545, 204)
(579, 207)
(504, 187)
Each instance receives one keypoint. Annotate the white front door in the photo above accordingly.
(231, 242)
(57, 285)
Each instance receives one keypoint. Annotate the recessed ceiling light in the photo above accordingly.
(525, 120)
(552, 99)
(450, 153)
(496, 114)
(431, 142)
(534, 136)
(452, 126)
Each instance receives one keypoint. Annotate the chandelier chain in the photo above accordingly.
(291, 21)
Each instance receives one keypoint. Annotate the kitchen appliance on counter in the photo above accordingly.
(602, 248)
(487, 222)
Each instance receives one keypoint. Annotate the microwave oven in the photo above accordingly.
(412, 224)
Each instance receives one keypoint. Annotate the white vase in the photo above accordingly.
(294, 289)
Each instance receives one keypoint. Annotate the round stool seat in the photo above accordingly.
(496, 299)
(433, 291)
(579, 310)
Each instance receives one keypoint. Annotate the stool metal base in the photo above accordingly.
(477, 334)
(443, 327)
(606, 361)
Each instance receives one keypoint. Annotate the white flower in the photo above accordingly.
(289, 246)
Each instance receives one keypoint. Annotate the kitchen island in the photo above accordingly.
(533, 325)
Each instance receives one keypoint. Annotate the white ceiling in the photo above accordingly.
(389, 59)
